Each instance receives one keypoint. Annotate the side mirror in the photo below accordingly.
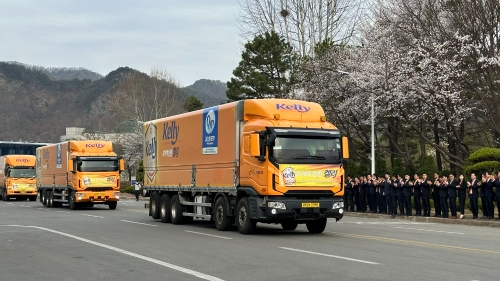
(122, 164)
(71, 165)
(255, 145)
(345, 148)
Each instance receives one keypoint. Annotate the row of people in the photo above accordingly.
(385, 194)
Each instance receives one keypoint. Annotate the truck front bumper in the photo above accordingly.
(282, 208)
(97, 197)
(11, 192)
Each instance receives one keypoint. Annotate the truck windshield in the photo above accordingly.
(25, 172)
(98, 165)
(296, 149)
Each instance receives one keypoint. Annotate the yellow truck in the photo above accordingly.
(78, 173)
(17, 177)
(266, 160)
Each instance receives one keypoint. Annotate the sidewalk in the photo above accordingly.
(128, 196)
(467, 220)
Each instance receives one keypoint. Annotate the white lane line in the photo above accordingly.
(10, 203)
(385, 223)
(25, 206)
(430, 230)
(125, 252)
(206, 234)
(92, 216)
(139, 223)
(327, 255)
(43, 209)
(64, 212)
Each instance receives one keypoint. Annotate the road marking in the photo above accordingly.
(64, 212)
(25, 206)
(140, 211)
(125, 252)
(43, 209)
(10, 203)
(430, 230)
(139, 223)
(206, 234)
(417, 243)
(384, 223)
(92, 216)
(327, 255)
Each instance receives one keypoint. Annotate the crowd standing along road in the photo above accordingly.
(17, 177)
(78, 173)
(271, 161)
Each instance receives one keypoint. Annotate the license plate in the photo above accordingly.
(310, 205)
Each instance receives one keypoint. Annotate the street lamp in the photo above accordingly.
(372, 117)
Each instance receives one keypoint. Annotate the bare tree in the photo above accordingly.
(304, 23)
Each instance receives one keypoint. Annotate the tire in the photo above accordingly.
(289, 225)
(316, 226)
(50, 199)
(40, 194)
(243, 221)
(4, 195)
(155, 205)
(44, 197)
(165, 208)
(71, 201)
(112, 205)
(222, 221)
(176, 210)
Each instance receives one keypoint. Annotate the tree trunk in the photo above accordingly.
(436, 140)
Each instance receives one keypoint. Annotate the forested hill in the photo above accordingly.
(210, 92)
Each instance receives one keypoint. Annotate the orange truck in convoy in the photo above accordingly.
(17, 177)
(255, 160)
(78, 173)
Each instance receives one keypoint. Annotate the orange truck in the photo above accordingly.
(256, 160)
(78, 173)
(17, 177)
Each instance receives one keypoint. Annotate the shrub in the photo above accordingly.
(485, 154)
(481, 167)
(128, 189)
(427, 166)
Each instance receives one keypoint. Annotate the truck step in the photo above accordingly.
(60, 200)
(186, 203)
(196, 215)
(60, 194)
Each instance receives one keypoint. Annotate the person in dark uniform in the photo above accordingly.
(435, 195)
(406, 186)
(349, 204)
(387, 194)
(417, 194)
(399, 194)
(382, 200)
(355, 188)
(372, 197)
(497, 193)
(443, 195)
(392, 199)
(426, 186)
(452, 195)
(488, 196)
(462, 190)
(482, 187)
(363, 186)
(473, 195)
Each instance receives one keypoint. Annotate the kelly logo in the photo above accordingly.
(96, 145)
(330, 173)
(296, 107)
(151, 148)
(171, 132)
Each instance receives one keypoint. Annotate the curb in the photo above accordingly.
(464, 221)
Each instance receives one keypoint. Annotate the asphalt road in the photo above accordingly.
(37, 243)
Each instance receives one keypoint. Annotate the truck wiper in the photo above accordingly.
(310, 157)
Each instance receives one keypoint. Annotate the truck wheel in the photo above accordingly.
(112, 205)
(155, 205)
(50, 198)
(165, 208)
(71, 201)
(40, 194)
(44, 197)
(243, 221)
(316, 226)
(222, 221)
(4, 195)
(176, 210)
(289, 225)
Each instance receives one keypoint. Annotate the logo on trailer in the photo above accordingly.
(171, 132)
(59, 156)
(150, 151)
(210, 122)
(210, 133)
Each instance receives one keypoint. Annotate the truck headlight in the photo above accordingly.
(338, 205)
(80, 195)
(276, 205)
(116, 195)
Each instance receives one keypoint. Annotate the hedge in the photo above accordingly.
(481, 167)
(485, 154)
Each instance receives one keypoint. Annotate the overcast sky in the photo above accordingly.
(191, 39)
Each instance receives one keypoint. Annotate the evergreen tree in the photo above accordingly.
(192, 103)
(265, 71)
